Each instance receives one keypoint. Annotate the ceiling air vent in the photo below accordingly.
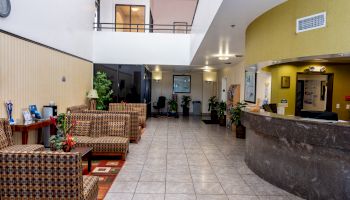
(311, 22)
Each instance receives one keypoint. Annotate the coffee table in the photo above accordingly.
(86, 154)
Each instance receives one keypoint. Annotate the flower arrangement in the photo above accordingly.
(63, 140)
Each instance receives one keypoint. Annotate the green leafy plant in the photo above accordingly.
(236, 112)
(173, 105)
(212, 103)
(186, 101)
(221, 109)
(103, 86)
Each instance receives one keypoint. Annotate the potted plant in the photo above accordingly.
(221, 113)
(212, 107)
(185, 104)
(103, 86)
(172, 106)
(235, 113)
(64, 139)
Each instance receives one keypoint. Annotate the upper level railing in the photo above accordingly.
(183, 28)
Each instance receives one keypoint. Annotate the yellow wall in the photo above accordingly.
(341, 87)
(31, 74)
(273, 35)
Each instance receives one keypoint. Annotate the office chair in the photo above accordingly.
(160, 105)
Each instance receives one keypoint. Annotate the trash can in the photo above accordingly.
(197, 107)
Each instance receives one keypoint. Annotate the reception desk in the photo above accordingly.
(306, 157)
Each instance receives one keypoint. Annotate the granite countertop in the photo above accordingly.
(300, 130)
(296, 118)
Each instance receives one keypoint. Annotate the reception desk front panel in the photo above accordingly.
(308, 158)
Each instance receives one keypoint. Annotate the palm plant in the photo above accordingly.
(173, 105)
(236, 112)
(185, 104)
(212, 103)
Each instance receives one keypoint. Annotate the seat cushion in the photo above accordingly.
(90, 187)
(110, 144)
(3, 139)
(83, 141)
(27, 147)
(82, 128)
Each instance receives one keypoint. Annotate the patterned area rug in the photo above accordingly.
(106, 170)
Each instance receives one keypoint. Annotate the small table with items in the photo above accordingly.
(24, 128)
(86, 154)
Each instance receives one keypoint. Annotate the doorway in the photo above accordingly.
(314, 92)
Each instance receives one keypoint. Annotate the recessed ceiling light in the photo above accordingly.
(232, 26)
(224, 58)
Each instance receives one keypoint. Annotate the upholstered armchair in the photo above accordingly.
(6, 140)
(106, 134)
(45, 175)
(133, 126)
(139, 107)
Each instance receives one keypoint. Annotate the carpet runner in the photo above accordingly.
(107, 171)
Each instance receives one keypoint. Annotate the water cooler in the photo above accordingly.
(48, 111)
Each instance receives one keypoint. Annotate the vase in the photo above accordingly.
(67, 148)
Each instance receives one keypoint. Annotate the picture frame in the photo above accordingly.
(27, 115)
(250, 87)
(181, 83)
(285, 82)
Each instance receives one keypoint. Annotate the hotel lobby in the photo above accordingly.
(175, 100)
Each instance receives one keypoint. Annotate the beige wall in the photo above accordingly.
(32, 74)
(234, 75)
(165, 88)
(273, 36)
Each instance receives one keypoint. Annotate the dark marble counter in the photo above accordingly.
(306, 157)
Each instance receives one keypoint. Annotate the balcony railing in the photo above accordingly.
(151, 28)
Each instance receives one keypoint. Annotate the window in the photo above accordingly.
(130, 18)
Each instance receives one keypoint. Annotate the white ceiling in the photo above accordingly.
(169, 11)
(222, 39)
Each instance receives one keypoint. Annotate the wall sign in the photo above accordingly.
(5, 8)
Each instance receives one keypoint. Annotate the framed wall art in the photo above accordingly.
(285, 82)
(250, 87)
(182, 84)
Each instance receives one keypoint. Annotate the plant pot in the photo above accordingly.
(240, 132)
(214, 115)
(222, 120)
(185, 111)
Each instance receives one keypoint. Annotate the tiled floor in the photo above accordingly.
(184, 159)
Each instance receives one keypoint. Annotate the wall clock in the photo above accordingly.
(5, 8)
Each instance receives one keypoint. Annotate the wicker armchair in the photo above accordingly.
(45, 175)
(140, 107)
(6, 140)
(134, 128)
(106, 134)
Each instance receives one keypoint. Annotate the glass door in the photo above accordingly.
(130, 18)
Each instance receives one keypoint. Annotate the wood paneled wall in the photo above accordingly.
(32, 74)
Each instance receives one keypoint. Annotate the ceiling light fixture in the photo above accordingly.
(232, 26)
(224, 58)
(134, 9)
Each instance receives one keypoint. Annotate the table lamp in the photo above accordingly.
(92, 96)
